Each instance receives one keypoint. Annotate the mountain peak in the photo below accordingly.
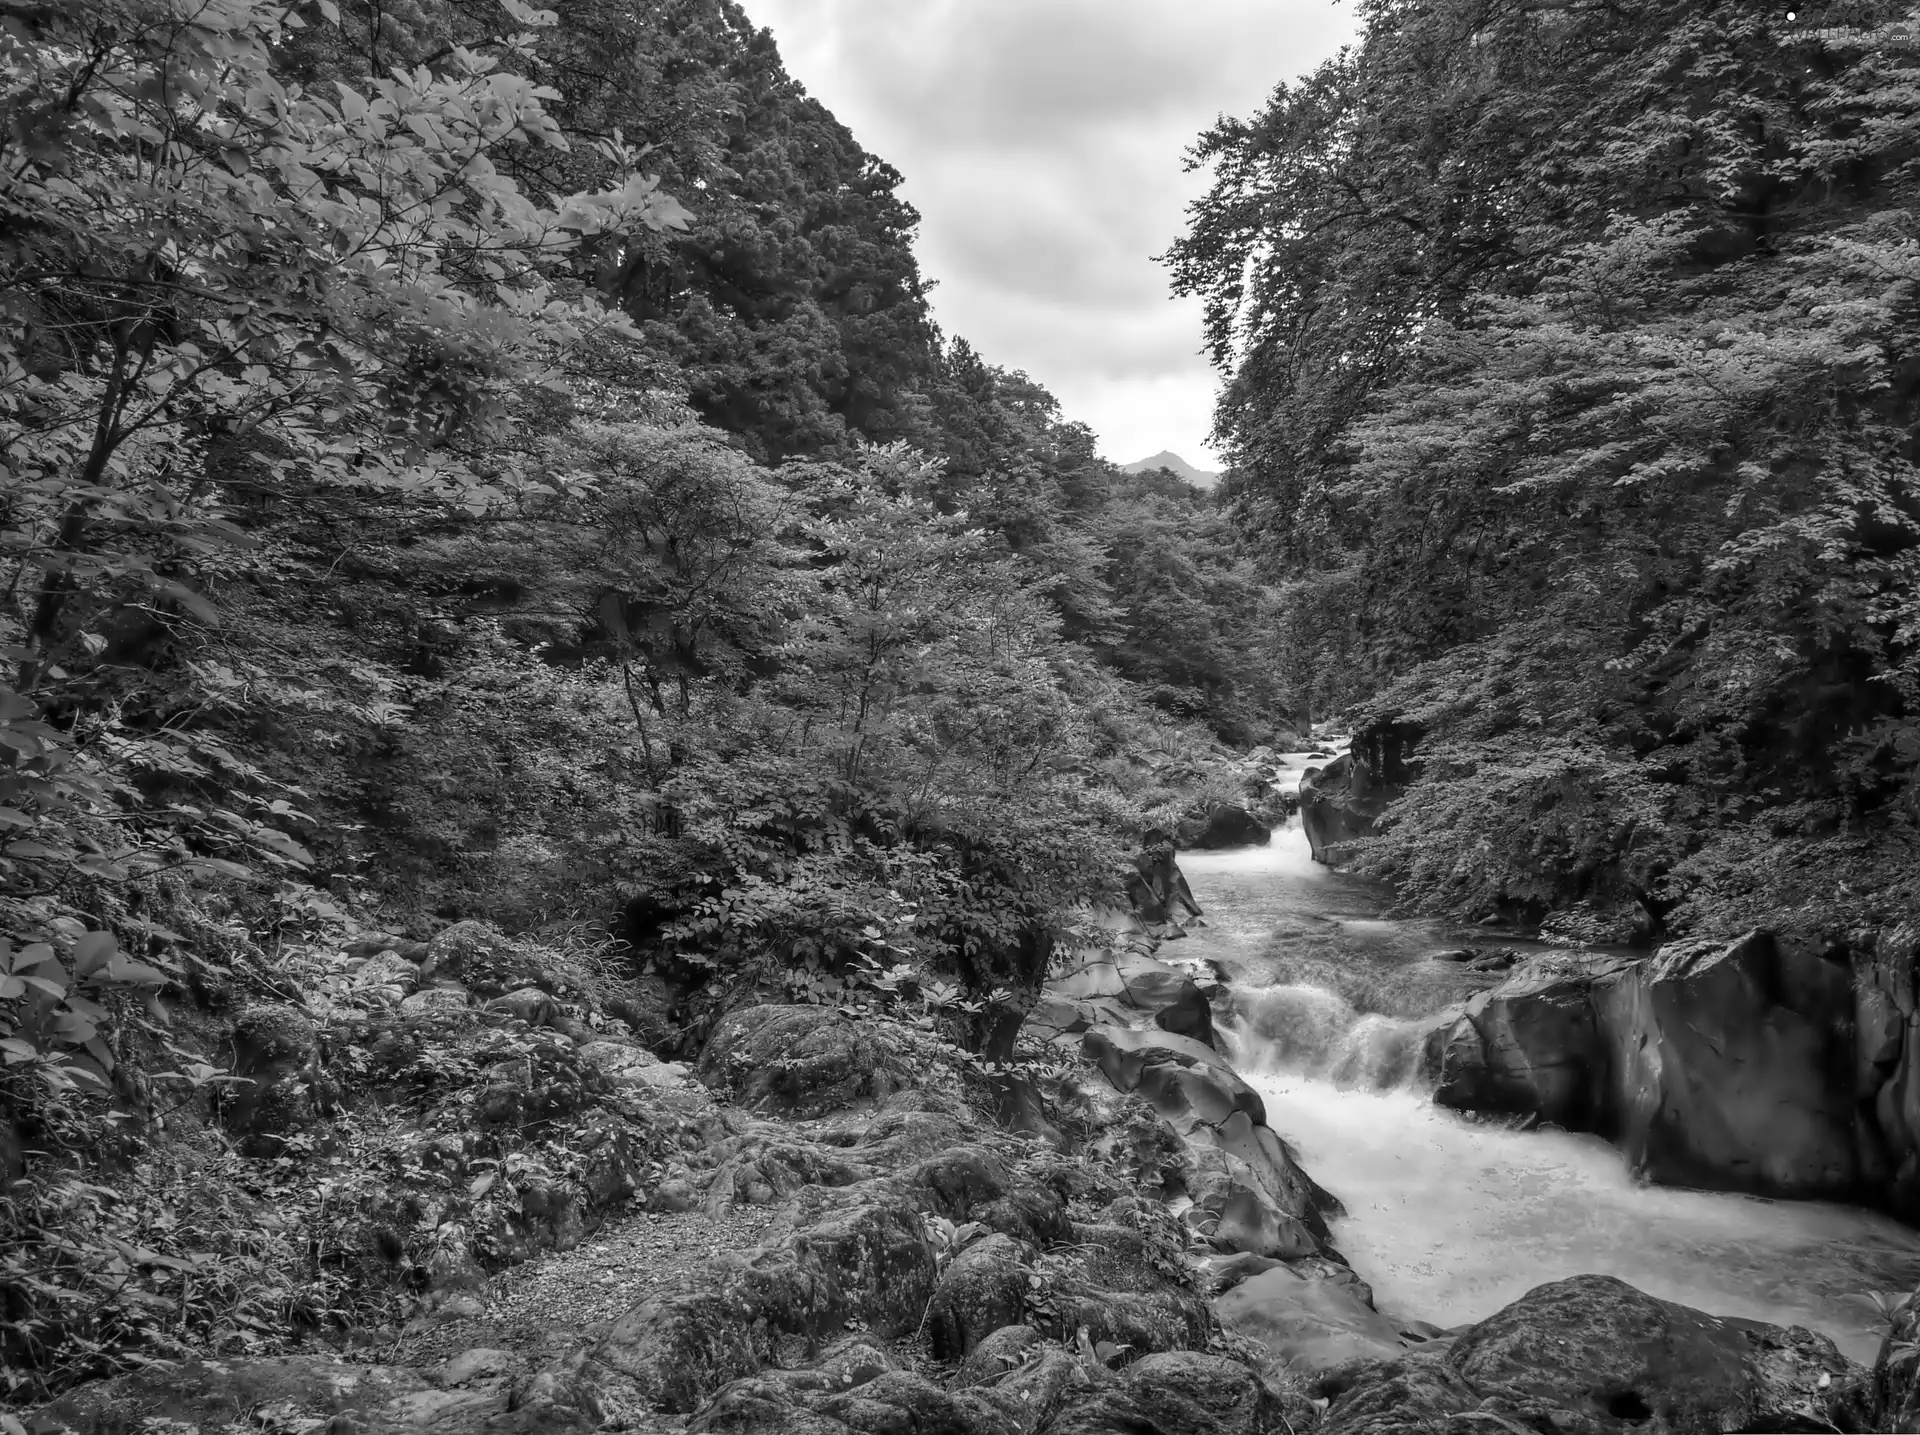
(1167, 459)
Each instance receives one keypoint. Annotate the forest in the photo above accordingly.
(1569, 367)
(511, 598)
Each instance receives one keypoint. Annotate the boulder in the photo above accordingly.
(807, 1061)
(622, 1062)
(999, 1352)
(1593, 1354)
(1176, 1393)
(1731, 1068)
(1310, 1324)
(983, 1290)
(386, 978)
(1228, 825)
(890, 1401)
(1243, 1178)
(1532, 1045)
(861, 1253)
(529, 1004)
(1124, 990)
(1340, 802)
(435, 1001)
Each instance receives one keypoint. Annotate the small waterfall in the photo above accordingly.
(1314, 1032)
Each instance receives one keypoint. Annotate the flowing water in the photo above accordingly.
(1448, 1218)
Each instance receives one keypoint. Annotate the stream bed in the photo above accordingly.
(1448, 1218)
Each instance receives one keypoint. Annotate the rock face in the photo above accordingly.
(1242, 1178)
(1226, 825)
(1710, 1064)
(1593, 1354)
(1340, 802)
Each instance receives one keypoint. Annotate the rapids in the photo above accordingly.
(1448, 1218)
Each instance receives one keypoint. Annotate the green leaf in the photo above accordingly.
(94, 951)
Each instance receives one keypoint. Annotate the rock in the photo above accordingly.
(1123, 990)
(1178, 1393)
(1032, 1392)
(1594, 1354)
(277, 1049)
(386, 977)
(998, 1352)
(983, 1290)
(1730, 1068)
(1532, 1045)
(622, 1062)
(435, 1001)
(479, 958)
(806, 1061)
(1244, 1180)
(1724, 1065)
(1340, 803)
(479, 1391)
(1227, 825)
(1310, 1324)
(530, 1004)
(859, 1253)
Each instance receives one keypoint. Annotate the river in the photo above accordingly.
(1449, 1218)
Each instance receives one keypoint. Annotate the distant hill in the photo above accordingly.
(1198, 477)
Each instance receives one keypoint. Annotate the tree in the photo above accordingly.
(212, 276)
(1576, 342)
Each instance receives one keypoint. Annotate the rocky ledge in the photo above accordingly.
(1750, 1065)
(843, 1225)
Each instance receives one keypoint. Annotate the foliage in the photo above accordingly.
(384, 543)
(1571, 347)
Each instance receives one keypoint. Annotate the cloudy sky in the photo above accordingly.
(1042, 142)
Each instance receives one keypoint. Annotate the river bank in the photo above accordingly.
(1448, 1217)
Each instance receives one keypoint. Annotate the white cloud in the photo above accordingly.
(1042, 141)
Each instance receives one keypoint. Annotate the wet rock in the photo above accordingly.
(1731, 1068)
(1227, 825)
(1340, 803)
(1123, 991)
(1244, 1179)
(1532, 1045)
(1725, 1065)
(1312, 1324)
(1594, 1354)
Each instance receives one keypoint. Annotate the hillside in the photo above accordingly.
(1173, 463)
(504, 482)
